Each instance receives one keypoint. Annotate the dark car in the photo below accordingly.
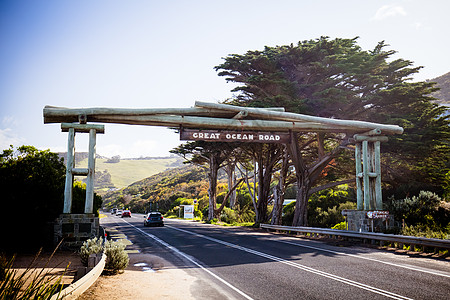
(154, 219)
(126, 213)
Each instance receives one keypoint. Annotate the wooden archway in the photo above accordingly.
(212, 116)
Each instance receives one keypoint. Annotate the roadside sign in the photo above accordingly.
(377, 214)
(188, 211)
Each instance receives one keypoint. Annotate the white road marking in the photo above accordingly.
(191, 259)
(433, 272)
(302, 267)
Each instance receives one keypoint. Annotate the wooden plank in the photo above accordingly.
(360, 138)
(86, 128)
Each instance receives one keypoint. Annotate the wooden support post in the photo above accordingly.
(89, 204)
(72, 128)
(366, 178)
(69, 176)
(378, 192)
(359, 192)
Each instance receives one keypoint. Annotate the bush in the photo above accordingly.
(228, 216)
(424, 232)
(116, 256)
(424, 210)
(91, 246)
(340, 226)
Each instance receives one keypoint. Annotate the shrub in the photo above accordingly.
(340, 226)
(116, 256)
(425, 210)
(228, 216)
(91, 246)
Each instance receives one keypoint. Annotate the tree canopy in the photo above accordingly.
(32, 184)
(337, 79)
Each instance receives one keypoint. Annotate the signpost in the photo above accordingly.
(235, 136)
(188, 211)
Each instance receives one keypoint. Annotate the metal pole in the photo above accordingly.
(69, 176)
(89, 205)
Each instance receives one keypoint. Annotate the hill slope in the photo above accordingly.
(443, 82)
(124, 172)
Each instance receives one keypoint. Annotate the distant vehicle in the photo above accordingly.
(154, 218)
(118, 212)
(113, 211)
(126, 213)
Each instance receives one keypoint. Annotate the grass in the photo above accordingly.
(32, 283)
(127, 171)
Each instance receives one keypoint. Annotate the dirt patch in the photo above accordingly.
(63, 263)
(147, 277)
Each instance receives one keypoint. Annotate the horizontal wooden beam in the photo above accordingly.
(288, 116)
(82, 127)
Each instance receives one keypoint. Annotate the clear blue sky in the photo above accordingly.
(143, 53)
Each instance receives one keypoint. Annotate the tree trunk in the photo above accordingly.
(303, 183)
(278, 192)
(231, 176)
(212, 191)
(301, 204)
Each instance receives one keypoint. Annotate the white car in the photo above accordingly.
(119, 213)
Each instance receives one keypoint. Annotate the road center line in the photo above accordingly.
(192, 260)
(299, 266)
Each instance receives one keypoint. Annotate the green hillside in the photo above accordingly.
(128, 171)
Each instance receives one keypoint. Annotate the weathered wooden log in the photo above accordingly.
(288, 116)
(219, 123)
(53, 114)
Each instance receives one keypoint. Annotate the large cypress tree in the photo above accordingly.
(337, 79)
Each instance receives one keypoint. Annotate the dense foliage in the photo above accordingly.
(32, 184)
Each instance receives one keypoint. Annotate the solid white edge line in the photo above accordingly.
(299, 266)
(184, 255)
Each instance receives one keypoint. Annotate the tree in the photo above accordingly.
(32, 185)
(213, 155)
(337, 79)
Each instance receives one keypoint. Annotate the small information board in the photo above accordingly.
(378, 214)
(188, 211)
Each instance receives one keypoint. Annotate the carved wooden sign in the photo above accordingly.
(235, 136)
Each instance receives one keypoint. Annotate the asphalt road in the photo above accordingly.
(243, 263)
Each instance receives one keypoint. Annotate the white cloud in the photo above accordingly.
(7, 138)
(387, 11)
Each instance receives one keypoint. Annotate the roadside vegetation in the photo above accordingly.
(32, 283)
